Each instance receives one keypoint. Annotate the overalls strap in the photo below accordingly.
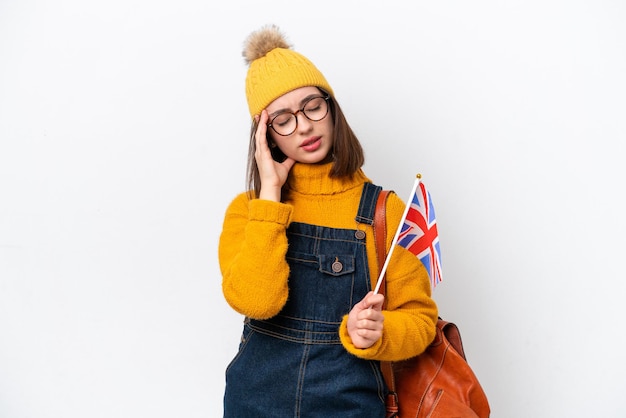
(367, 205)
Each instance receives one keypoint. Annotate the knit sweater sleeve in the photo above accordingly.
(252, 249)
(410, 312)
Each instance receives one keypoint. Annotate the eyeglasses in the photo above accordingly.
(315, 109)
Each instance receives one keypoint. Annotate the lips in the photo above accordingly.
(311, 144)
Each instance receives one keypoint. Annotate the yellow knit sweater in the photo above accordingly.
(253, 245)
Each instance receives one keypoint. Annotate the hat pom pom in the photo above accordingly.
(262, 41)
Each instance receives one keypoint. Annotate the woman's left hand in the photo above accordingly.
(365, 321)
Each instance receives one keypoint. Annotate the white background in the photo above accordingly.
(123, 137)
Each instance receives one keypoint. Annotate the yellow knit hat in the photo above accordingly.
(275, 69)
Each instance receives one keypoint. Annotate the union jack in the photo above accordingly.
(419, 233)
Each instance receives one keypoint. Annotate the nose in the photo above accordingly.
(303, 123)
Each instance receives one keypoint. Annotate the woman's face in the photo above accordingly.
(311, 142)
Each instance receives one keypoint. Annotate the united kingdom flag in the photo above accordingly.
(419, 233)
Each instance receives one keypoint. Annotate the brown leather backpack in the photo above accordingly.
(437, 383)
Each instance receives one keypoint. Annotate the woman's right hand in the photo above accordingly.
(273, 174)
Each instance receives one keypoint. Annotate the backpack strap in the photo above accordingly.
(380, 235)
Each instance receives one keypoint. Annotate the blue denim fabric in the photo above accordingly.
(293, 365)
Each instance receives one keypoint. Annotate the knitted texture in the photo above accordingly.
(276, 69)
(256, 274)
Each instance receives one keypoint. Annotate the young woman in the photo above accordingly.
(298, 256)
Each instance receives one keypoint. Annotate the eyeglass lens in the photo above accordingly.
(286, 123)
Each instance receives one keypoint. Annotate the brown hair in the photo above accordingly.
(347, 154)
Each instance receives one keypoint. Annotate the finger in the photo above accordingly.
(369, 334)
(365, 301)
(371, 315)
(261, 129)
(373, 326)
(374, 301)
(262, 151)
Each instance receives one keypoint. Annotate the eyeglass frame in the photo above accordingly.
(301, 110)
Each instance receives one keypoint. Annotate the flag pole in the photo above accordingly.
(395, 238)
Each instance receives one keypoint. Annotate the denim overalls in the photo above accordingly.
(293, 365)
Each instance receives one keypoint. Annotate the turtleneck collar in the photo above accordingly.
(315, 179)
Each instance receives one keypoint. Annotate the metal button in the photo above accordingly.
(359, 234)
(337, 266)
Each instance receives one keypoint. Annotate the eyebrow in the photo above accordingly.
(304, 100)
